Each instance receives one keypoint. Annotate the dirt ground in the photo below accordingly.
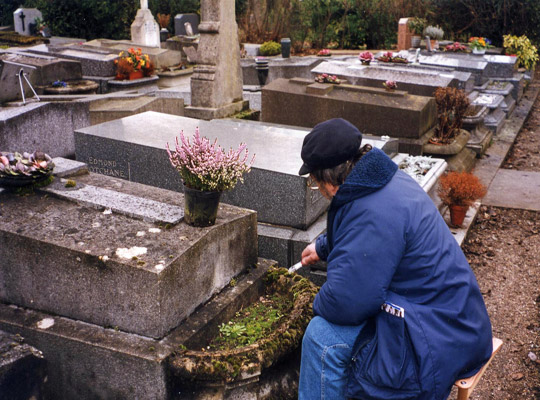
(503, 248)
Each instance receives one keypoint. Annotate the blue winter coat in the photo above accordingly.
(393, 262)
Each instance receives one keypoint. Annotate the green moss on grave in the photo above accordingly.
(288, 301)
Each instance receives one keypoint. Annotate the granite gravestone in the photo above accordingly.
(421, 82)
(301, 102)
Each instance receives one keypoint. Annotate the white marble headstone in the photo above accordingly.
(23, 17)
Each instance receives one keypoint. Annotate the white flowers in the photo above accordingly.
(417, 166)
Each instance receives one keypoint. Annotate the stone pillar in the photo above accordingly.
(216, 84)
(404, 35)
(145, 29)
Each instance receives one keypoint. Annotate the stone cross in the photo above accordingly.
(144, 4)
(22, 17)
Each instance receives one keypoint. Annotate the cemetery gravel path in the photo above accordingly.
(503, 248)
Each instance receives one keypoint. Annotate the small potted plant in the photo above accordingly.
(458, 191)
(366, 57)
(479, 45)
(133, 64)
(435, 34)
(206, 171)
(416, 25)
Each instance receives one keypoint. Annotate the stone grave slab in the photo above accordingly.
(93, 361)
(494, 120)
(414, 81)
(145, 29)
(110, 269)
(47, 69)
(10, 87)
(518, 82)
(278, 67)
(476, 67)
(22, 368)
(374, 111)
(94, 62)
(514, 189)
(115, 108)
(24, 128)
(503, 88)
(498, 66)
(273, 187)
(159, 57)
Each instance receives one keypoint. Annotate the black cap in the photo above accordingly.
(329, 144)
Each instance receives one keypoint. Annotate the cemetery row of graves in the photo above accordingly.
(113, 289)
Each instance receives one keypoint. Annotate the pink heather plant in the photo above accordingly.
(205, 166)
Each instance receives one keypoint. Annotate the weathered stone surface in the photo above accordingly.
(115, 108)
(47, 69)
(414, 81)
(69, 261)
(514, 189)
(143, 85)
(145, 29)
(22, 369)
(374, 111)
(86, 360)
(42, 126)
(216, 83)
(10, 87)
(292, 67)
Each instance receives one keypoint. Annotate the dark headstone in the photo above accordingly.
(181, 19)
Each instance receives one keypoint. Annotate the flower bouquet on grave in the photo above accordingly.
(18, 169)
(366, 57)
(325, 78)
(324, 53)
(206, 170)
(133, 64)
(479, 45)
(390, 85)
(386, 57)
(456, 47)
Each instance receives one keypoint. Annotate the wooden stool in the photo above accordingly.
(466, 386)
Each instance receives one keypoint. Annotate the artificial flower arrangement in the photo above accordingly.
(479, 43)
(26, 167)
(456, 47)
(390, 85)
(325, 78)
(59, 83)
(133, 61)
(324, 53)
(206, 166)
(390, 58)
(366, 57)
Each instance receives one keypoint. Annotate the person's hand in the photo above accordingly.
(309, 255)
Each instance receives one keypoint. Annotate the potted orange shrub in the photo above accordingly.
(458, 190)
(133, 64)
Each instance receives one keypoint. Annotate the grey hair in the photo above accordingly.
(337, 175)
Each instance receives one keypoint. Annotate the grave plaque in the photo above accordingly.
(145, 29)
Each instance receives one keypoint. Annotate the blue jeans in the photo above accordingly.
(326, 353)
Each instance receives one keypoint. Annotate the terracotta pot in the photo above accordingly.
(200, 207)
(135, 75)
(457, 214)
